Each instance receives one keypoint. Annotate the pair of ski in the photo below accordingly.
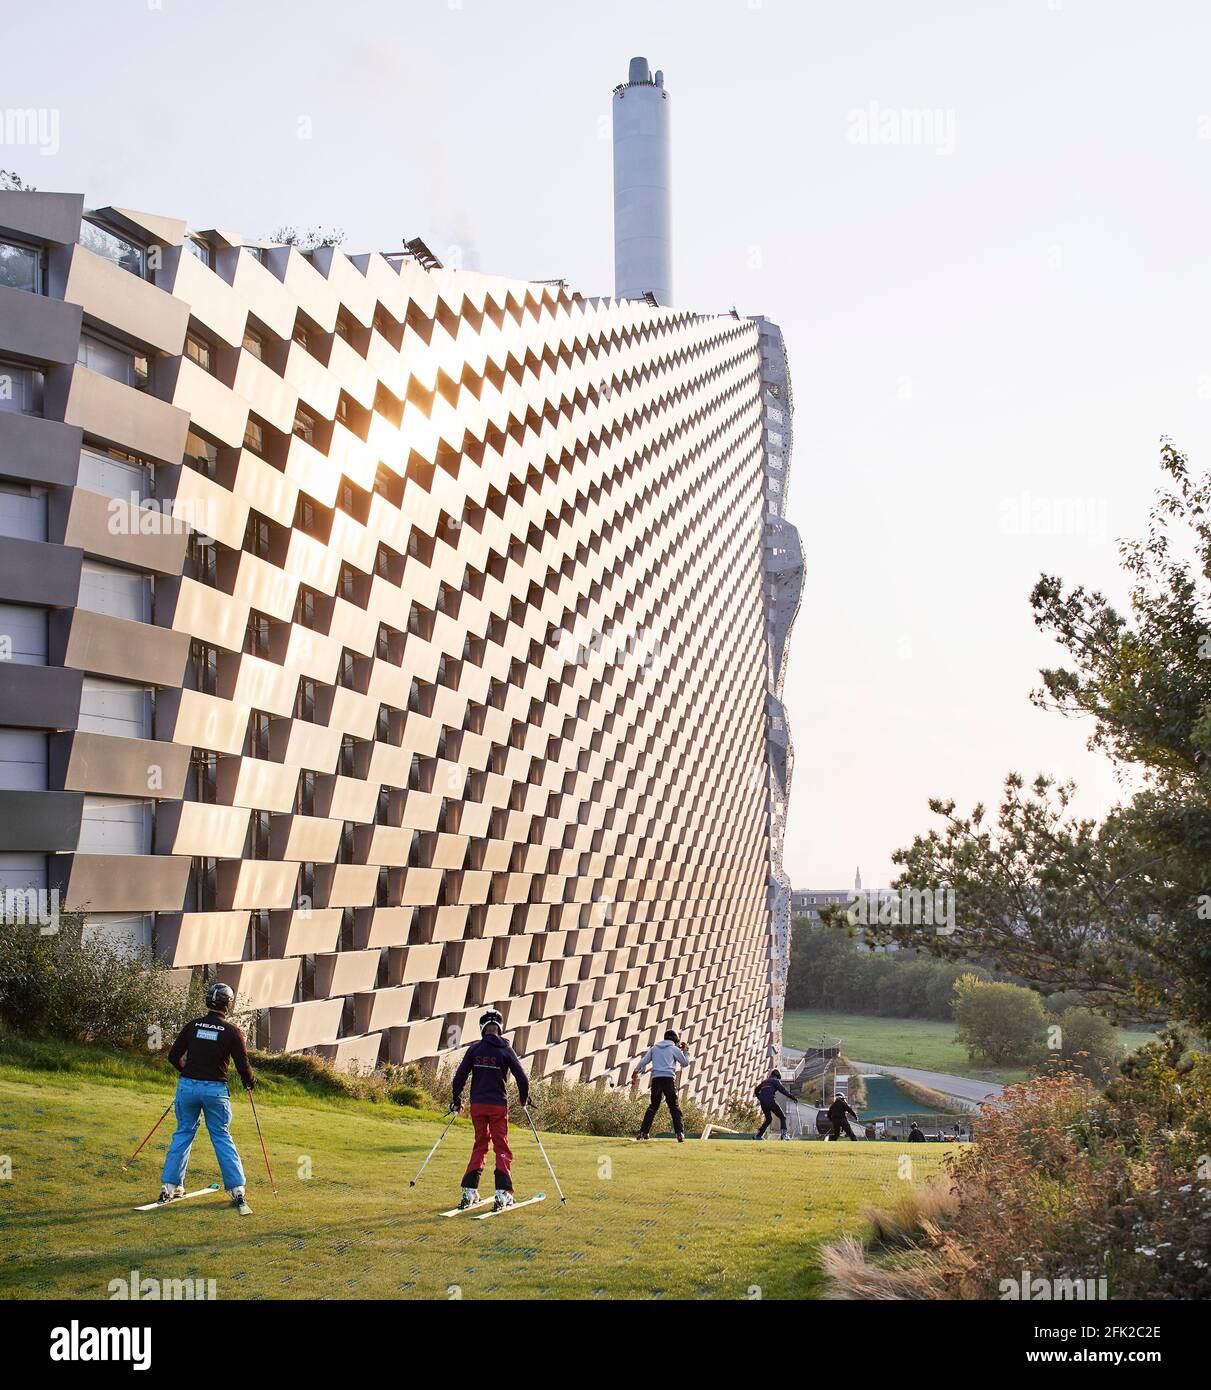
(243, 1208)
(488, 1202)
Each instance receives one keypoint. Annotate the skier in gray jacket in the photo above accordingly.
(664, 1058)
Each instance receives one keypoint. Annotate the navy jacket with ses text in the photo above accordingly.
(488, 1063)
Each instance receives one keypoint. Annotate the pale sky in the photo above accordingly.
(983, 228)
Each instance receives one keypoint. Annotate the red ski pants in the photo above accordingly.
(491, 1126)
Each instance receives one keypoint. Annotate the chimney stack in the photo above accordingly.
(643, 253)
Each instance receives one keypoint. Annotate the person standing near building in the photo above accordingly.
(767, 1094)
(488, 1064)
(664, 1058)
(201, 1053)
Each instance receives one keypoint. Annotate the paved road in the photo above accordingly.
(964, 1087)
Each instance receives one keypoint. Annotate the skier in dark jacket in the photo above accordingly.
(201, 1053)
(488, 1063)
(837, 1112)
(916, 1135)
(767, 1094)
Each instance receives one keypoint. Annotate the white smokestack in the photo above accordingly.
(643, 251)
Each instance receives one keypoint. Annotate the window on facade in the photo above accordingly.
(20, 266)
(198, 350)
(107, 358)
(348, 759)
(258, 835)
(20, 389)
(304, 607)
(203, 560)
(199, 248)
(257, 743)
(205, 768)
(102, 241)
(304, 426)
(204, 667)
(304, 700)
(256, 638)
(258, 535)
(201, 456)
(254, 437)
(253, 343)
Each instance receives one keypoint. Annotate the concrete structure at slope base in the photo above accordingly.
(391, 642)
(643, 236)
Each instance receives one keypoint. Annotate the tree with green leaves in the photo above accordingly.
(997, 1022)
(1117, 909)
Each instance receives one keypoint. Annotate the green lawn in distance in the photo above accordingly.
(907, 1042)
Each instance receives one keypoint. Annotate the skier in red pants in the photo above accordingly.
(488, 1062)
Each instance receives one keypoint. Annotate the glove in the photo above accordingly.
(456, 1106)
(250, 1083)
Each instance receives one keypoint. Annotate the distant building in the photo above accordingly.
(807, 902)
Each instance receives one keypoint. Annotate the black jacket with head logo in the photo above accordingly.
(207, 1045)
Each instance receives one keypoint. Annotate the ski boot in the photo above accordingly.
(784, 1135)
(680, 1137)
(168, 1193)
(470, 1198)
(503, 1199)
(238, 1201)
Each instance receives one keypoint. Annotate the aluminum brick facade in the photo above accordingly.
(451, 682)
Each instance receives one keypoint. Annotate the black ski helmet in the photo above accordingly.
(490, 1017)
(776, 1075)
(220, 998)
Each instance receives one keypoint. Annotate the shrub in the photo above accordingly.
(63, 985)
(999, 1023)
(1089, 1042)
(391, 1084)
(577, 1107)
(1162, 1100)
(741, 1113)
(1063, 1185)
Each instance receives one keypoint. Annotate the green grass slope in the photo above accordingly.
(656, 1220)
(907, 1042)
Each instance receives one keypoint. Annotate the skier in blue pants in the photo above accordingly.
(201, 1053)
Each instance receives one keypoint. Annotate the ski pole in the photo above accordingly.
(261, 1137)
(150, 1132)
(543, 1151)
(433, 1150)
